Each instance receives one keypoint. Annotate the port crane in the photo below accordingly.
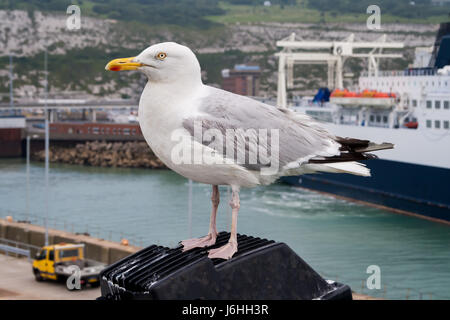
(332, 53)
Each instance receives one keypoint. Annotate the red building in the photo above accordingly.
(11, 134)
(243, 80)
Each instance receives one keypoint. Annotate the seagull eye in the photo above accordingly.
(161, 56)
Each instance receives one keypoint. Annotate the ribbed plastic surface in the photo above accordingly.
(139, 271)
(261, 269)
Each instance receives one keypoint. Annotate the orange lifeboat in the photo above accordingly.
(364, 94)
(350, 94)
(368, 93)
(381, 95)
(338, 93)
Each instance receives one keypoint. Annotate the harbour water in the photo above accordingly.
(339, 239)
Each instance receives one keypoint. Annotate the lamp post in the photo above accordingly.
(46, 146)
(11, 81)
(28, 175)
(190, 209)
(28, 179)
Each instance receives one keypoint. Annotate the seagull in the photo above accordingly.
(220, 138)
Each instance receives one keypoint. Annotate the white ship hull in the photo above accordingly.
(413, 178)
(420, 147)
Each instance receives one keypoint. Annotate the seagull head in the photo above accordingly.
(162, 62)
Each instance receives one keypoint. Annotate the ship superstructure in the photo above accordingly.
(410, 108)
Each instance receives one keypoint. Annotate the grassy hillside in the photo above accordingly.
(205, 13)
(75, 70)
(188, 13)
(323, 11)
(81, 69)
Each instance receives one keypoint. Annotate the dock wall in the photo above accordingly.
(95, 249)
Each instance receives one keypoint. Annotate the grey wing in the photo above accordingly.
(272, 134)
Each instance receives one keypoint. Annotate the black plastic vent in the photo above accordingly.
(158, 272)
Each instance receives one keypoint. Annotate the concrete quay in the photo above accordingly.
(95, 249)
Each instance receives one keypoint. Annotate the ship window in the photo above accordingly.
(372, 118)
(446, 105)
(385, 118)
(437, 124)
(437, 104)
(378, 118)
(428, 104)
(70, 130)
(95, 130)
(446, 124)
(414, 103)
(428, 123)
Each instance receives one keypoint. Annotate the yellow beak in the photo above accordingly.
(122, 64)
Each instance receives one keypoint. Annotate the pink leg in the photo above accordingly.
(228, 250)
(210, 239)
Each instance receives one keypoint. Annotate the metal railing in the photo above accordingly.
(18, 248)
(9, 249)
(407, 72)
(79, 228)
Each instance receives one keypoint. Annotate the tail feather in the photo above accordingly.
(357, 145)
(353, 150)
(375, 147)
(351, 167)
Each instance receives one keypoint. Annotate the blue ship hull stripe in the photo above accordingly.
(418, 189)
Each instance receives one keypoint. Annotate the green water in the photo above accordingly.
(337, 238)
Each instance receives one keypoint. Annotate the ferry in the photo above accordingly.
(409, 108)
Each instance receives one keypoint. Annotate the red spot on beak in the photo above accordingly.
(115, 68)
